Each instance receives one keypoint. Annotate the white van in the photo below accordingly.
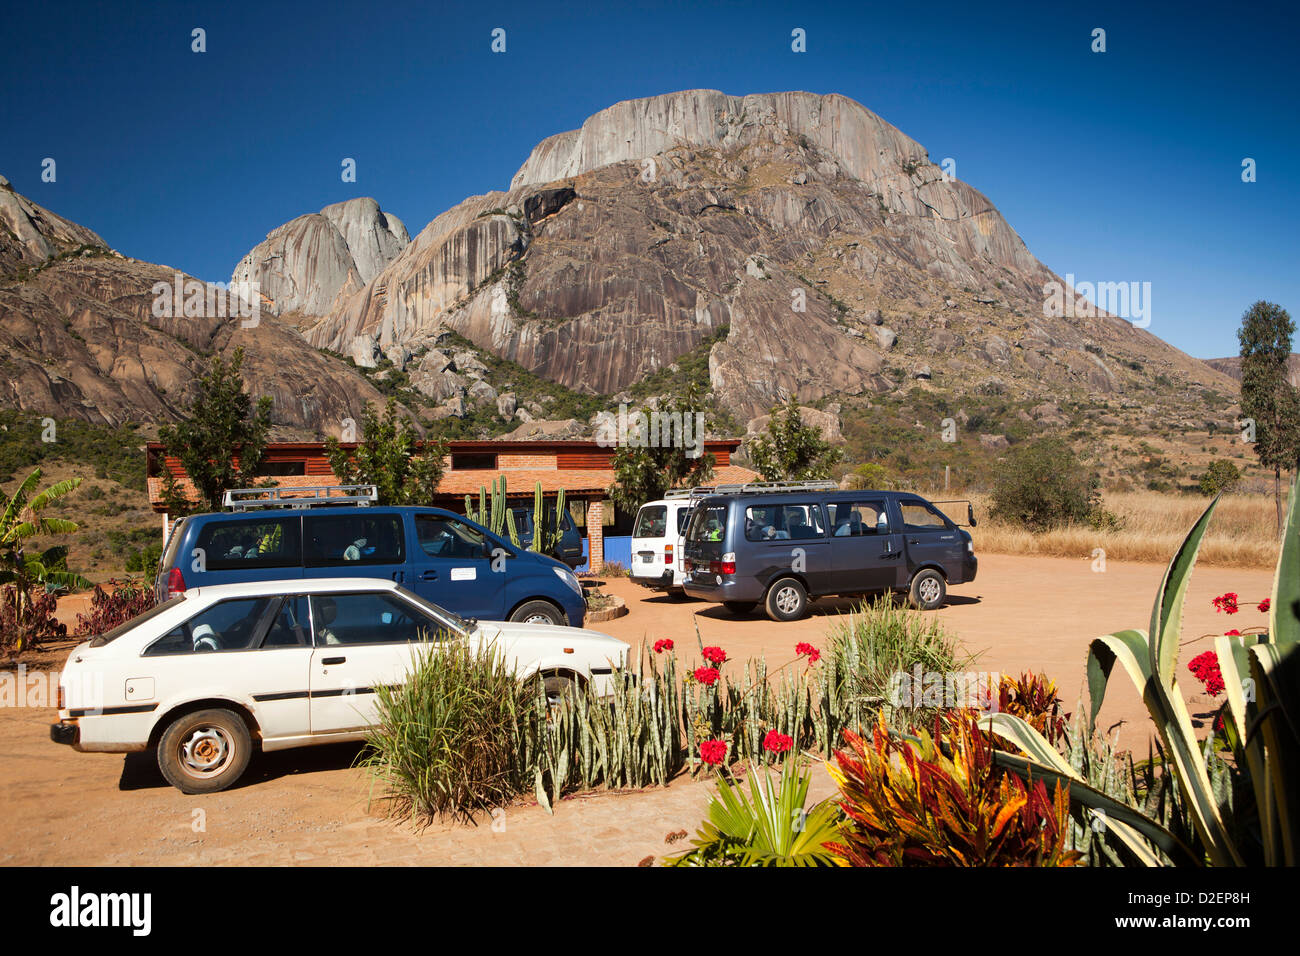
(657, 544)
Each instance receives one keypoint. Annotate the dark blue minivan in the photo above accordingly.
(784, 546)
(441, 556)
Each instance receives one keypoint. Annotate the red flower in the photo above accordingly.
(807, 650)
(777, 743)
(1206, 667)
(1233, 633)
(714, 655)
(1265, 604)
(663, 645)
(707, 675)
(713, 752)
(1218, 722)
(1227, 603)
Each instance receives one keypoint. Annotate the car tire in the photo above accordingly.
(538, 612)
(786, 600)
(928, 590)
(556, 685)
(739, 608)
(205, 751)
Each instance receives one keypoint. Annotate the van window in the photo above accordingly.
(441, 537)
(683, 515)
(783, 522)
(651, 522)
(347, 540)
(852, 518)
(919, 516)
(708, 524)
(248, 543)
(234, 625)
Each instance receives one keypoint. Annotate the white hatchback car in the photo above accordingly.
(210, 673)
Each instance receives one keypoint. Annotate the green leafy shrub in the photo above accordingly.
(1043, 485)
(1221, 475)
(770, 827)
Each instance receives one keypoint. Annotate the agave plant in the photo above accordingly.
(770, 827)
(1263, 687)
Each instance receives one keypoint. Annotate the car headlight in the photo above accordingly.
(569, 578)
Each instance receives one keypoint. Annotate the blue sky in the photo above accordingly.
(1116, 166)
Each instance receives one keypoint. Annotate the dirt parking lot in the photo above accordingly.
(311, 807)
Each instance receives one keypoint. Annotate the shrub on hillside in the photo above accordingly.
(1222, 475)
(1044, 484)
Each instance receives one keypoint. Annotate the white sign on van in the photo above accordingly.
(464, 574)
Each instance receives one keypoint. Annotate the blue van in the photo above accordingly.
(441, 556)
(784, 544)
(569, 547)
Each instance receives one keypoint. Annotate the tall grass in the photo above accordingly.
(445, 741)
(866, 649)
(1244, 533)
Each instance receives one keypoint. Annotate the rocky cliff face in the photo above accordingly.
(79, 337)
(1231, 367)
(306, 265)
(840, 259)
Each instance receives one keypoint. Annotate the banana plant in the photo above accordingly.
(1263, 688)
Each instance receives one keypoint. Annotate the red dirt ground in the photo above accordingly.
(310, 806)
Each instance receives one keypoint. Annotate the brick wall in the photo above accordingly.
(596, 535)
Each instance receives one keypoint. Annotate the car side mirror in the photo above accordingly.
(970, 514)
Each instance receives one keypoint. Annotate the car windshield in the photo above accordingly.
(463, 626)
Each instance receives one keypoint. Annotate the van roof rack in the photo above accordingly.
(315, 496)
(752, 488)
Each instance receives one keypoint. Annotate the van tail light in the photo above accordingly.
(726, 566)
(63, 697)
(175, 583)
(668, 554)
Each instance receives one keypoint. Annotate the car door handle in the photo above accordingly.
(429, 576)
(334, 660)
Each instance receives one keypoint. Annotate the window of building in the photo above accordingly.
(473, 461)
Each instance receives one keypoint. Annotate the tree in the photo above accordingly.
(791, 450)
(221, 440)
(20, 521)
(1267, 396)
(1221, 475)
(643, 473)
(391, 456)
(1043, 484)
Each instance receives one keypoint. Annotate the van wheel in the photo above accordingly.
(739, 608)
(786, 600)
(205, 751)
(928, 590)
(538, 612)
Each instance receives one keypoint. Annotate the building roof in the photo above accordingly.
(584, 482)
